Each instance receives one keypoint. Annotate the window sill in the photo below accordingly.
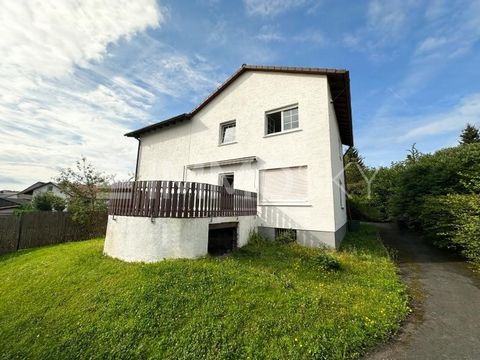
(228, 143)
(289, 204)
(282, 133)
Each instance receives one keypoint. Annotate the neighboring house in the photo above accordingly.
(275, 131)
(39, 188)
(11, 200)
(8, 205)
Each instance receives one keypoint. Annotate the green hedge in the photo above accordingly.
(448, 171)
(453, 221)
(364, 209)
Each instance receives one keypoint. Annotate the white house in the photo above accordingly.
(12, 200)
(275, 131)
(41, 187)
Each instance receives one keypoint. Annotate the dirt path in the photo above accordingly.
(446, 294)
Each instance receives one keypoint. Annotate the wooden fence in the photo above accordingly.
(179, 199)
(44, 228)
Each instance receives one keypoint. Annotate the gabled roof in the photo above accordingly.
(35, 186)
(11, 202)
(339, 81)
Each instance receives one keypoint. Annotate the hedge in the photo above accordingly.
(453, 221)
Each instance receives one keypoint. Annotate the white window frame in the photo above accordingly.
(222, 175)
(282, 121)
(224, 125)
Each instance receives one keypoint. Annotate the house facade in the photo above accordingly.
(278, 132)
(12, 200)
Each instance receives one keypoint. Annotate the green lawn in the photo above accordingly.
(266, 300)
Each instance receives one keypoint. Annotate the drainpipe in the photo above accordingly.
(347, 204)
(138, 157)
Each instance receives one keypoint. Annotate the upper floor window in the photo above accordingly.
(227, 132)
(50, 188)
(282, 120)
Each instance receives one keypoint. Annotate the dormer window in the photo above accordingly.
(281, 120)
(227, 132)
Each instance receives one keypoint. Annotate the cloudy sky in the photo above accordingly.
(76, 75)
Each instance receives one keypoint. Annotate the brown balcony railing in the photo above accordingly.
(179, 199)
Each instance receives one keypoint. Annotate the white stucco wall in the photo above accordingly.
(340, 207)
(165, 153)
(140, 239)
(55, 190)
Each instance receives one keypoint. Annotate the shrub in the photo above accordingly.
(448, 171)
(363, 208)
(24, 208)
(453, 221)
(255, 238)
(327, 262)
(286, 236)
(48, 201)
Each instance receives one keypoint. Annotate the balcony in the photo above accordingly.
(179, 199)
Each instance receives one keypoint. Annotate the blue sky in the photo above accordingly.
(77, 75)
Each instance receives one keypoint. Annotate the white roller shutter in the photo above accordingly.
(288, 185)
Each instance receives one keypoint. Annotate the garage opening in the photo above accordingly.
(222, 238)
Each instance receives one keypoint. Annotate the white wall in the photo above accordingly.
(140, 239)
(340, 207)
(164, 153)
(55, 190)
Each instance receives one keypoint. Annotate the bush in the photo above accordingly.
(48, 201)
(448, 171)
(24, 208)
(363, 208)
(453, 221)
(327, 262)
(255, 238)
(286, 236)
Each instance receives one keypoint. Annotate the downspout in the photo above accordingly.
(138, 158)
(347, 204)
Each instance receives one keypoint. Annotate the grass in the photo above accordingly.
(268, 301)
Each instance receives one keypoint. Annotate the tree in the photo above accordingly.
(413, 155)
(86, 188)
(470, 135)
(355, 172)
(47, 201)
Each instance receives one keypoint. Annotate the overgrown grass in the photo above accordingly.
(265, 301)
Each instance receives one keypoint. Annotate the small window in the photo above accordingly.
(227, 132)
(226, 180)
(282, 120)
(50, 188)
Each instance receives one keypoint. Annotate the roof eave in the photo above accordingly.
(173, 120)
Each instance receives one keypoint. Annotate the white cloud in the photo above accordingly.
(270, 33)
(430, 43)
(437, 8)
(55, 104)
(467, 110)
(450, 35)
(389, 135)
(48, 38)
(387, 22)
(274, 7)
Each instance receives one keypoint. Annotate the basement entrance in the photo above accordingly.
(222, 238)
